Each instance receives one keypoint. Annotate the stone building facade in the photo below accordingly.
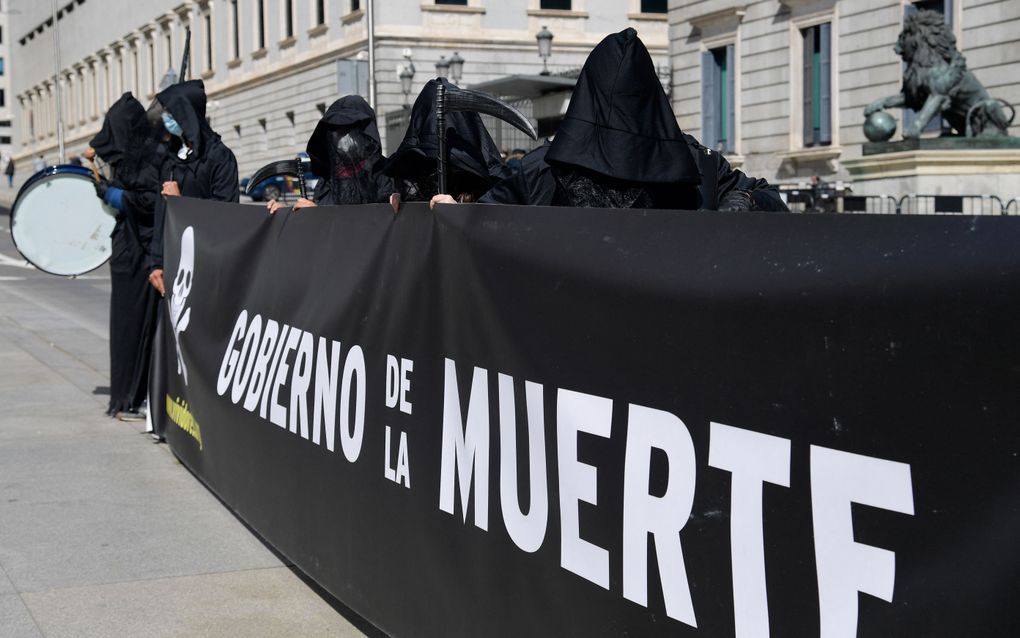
(272, 66)
(741, 69)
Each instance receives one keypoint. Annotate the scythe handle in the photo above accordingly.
(186, 58)
(441, 134)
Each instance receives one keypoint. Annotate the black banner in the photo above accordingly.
(502, 421)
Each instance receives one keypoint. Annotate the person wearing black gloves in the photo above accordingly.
(127, 144)
(474, 163)
(619, 146)
(345, 150)
(198, 164)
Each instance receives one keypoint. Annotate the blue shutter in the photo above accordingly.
(709, 100)
(825, 33)
(807, 63)
(731, 100)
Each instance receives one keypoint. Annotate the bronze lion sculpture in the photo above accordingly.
(936, 81)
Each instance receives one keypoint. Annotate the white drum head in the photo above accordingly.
(60, 226)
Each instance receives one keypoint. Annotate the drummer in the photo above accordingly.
(126, 142)
(198, 163)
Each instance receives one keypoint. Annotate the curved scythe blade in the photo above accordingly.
(272, 169)
(458, 99)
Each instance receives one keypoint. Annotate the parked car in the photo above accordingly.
(280, 187)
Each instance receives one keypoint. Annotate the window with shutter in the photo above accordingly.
(718, 112)
(653, 6)
(709, 101)
(817, 84)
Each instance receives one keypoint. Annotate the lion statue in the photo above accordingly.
(937, 82)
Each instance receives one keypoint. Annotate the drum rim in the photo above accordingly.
(56, 169)
(59, 169)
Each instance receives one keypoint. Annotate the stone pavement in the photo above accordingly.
(102, 532)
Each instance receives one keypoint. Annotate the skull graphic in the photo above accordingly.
(179, 315)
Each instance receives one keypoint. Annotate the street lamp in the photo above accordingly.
(406, 76)
(456, 67)
(442, 67)
(545, 38)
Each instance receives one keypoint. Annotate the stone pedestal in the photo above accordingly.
(938, 166)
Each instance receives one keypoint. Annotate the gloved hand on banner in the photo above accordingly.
(737, 200)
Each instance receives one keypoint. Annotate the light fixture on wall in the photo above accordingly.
(443, 67)
(406, 76)
(456, 67)
(545, 38)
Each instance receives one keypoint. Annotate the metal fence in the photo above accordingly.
(840, 200)
(952, 204)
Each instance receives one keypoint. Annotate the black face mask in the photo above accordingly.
(352, 154)
(586, 191)
(420, 189)
(583, 189)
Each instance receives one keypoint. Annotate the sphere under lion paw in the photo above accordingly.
(879, 126)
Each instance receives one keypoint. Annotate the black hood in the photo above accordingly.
(348, 112)
(125, 128)
(471, 149)
(186, 103)
(619, 122)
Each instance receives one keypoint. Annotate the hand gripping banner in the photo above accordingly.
(503, 421)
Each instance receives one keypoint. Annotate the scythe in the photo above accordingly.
(452, 98)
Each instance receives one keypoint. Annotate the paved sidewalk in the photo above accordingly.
(102, 532)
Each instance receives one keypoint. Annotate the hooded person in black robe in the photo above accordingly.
(128, 144)
(197, 163)
(619, 146)
(345, 151)
(474, 164)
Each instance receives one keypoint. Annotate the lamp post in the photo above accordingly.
(406, 76)
(58, 98)
(545, 38)
(370, 22)
(443, 67)
(456, 67)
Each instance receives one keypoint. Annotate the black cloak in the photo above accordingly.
(348, 172)
(620, 133)
(127, 144)
(208, 172)
(474, 164)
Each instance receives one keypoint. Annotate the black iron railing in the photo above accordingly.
(829, 199)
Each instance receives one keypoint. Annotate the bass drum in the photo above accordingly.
(59, 225)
